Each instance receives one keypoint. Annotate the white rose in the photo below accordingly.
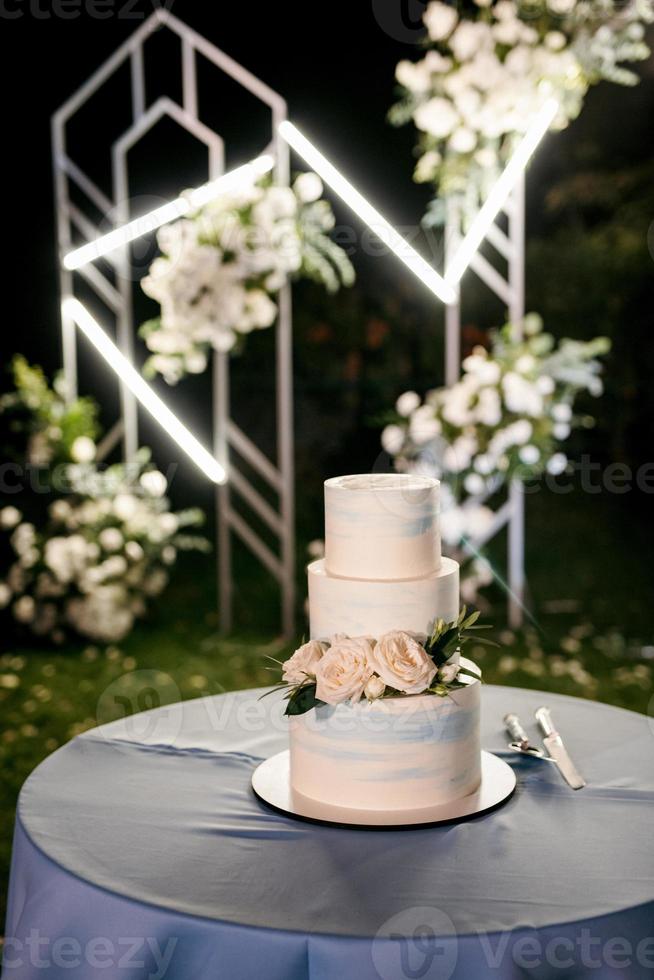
(316, 548)
(463, 140)
(60, 511)
(468, 38)
(343, 672)
(111, 539)
(124, 506)
(529, 455)
(308, 188)
(302, 665)
(392, 439)
(436, 116)
(525, 364)
(505, 10)
(448, 673)
(427, 166)
(521, 396)
(545, 384)
(474, 484)
(196, 362)
(154, 483)
(24, 609)
(134, 551)
(508, 32)
(555, 40)
(424, 426)
(412, 76)
(561, 412)
(439, 19)
(557, 464)
(5, 595)
(374, 688)
(407, 403)
(403, 663)
(489, 407)
(9, 517)
(83, 450)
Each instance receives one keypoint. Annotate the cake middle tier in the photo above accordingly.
(367, 607)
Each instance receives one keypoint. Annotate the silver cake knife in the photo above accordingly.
(557, 750)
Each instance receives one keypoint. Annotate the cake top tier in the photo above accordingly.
(382, 526)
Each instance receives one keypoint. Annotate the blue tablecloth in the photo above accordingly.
(141, 851)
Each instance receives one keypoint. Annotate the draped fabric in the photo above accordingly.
(141, 851)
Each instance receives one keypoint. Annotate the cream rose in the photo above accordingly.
(374, 688)
(449, 672)
(302, 664)
(344, 671)
(402, 663)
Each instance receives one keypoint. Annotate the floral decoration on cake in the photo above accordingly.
(397, 664)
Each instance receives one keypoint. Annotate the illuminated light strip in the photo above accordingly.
(500, 192)
(168, 212)
(142, 391)
(361, 207)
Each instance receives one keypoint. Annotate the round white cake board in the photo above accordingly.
(272, 785)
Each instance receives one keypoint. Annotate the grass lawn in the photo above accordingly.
(589, 569)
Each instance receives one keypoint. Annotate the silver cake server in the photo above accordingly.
(520, 738)
(557, 750)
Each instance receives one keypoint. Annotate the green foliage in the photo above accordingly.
(302, 699)
(447, 638)
(42, 421)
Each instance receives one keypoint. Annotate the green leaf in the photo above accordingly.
(303, 699)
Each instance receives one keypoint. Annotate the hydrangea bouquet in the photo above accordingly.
(398, 664)
(220, 270)
(487, 70)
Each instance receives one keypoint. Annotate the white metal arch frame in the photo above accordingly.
(73, 224)
(510, 249)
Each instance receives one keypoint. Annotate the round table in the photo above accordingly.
(141, 851)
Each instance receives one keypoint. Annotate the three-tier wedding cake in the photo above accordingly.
(374, 740)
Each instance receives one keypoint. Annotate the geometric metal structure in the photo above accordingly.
(114, 292)
(509, 287)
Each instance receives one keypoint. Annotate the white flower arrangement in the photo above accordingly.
(506, 418)
(106, 542)
(397, 664)
(221, 268)
(488, 70)
(100, 556)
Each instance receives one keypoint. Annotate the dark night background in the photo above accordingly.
(590, 271)
(590, 207)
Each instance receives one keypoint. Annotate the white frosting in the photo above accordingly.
(382, 526)
(370, 607)
(397, 753)
(383, 571)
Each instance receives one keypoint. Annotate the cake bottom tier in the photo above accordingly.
(363, 607)
(396, 753)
